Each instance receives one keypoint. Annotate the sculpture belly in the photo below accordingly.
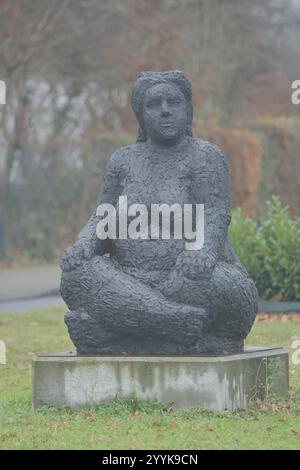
(147, 255)
(152, 254)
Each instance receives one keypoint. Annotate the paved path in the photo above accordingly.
(27, 283)
(19, 306)
(24, 289)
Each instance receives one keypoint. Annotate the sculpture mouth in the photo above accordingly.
(166, 124)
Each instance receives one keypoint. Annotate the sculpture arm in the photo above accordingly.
(211, 188)
(216, 197)
(108, 194)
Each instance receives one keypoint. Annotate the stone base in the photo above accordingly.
(213, 382)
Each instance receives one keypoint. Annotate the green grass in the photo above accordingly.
(132, 424)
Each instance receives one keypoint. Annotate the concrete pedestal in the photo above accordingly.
(216, 383)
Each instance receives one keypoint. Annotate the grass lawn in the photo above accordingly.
(132, 424)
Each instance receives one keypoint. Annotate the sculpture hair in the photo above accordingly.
(149, 79)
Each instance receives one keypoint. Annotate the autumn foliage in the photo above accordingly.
(69, 69)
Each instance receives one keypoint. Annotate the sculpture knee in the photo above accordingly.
(236, 299)
(78, 284)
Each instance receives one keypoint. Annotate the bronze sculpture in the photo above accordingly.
(152, 296)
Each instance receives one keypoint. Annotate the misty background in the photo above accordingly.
(69, 68)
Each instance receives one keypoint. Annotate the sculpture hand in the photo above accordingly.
(195, 264)
(73, 256)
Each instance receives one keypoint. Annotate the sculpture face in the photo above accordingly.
(164, 113)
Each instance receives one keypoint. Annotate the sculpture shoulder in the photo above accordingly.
(210, 155)
(121, 157)
(209, 149)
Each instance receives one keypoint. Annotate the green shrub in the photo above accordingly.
(270, 250)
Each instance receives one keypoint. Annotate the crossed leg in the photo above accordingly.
(101, 296)
(113, 312)
(229, 296)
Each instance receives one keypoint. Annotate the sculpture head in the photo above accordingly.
(162, 103)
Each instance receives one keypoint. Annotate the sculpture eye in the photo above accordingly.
(174, 101)
(153, 103)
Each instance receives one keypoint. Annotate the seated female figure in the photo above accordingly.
(153, 296)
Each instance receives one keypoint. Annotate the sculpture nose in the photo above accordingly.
(165, 111)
